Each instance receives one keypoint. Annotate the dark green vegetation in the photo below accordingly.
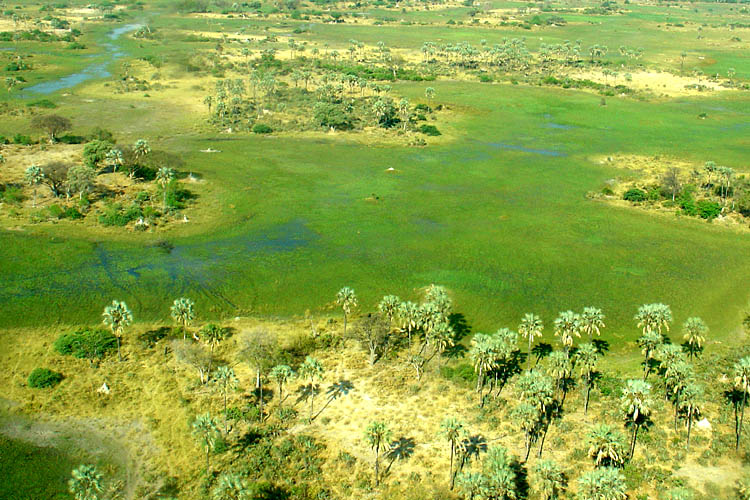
(42, 378)
(33, 472)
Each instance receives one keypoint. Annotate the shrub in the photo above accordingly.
(12, 195)
(44, 377)
(42, 103)
(86, 343)
(708, 209)
(261, 128)
(634, 195)
(23, 140)
(73, 213)
(430, 130)
(55, 211)
(687, 204)
(95, 152)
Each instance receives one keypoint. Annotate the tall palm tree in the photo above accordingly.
(649, 343)
(114, 159)
(604, 483)
(559, 368)
(34, 176)
(408, 313)
(205, 430)
(742, 383)
(227, 382)
(231, 487)
(281, 374)
(606, 446)
(389, 306)
(164, 176)
(677, 376)
(692, 400)
(311, 370)
(695, 331)
(471, 484)
(86, 483)
(528, 418)
(500, 478)
(531, 327)
(117, 316)
(482, 355)
(141, 148)
(183, 313)
(429, 93)
(567, 325)
(377, 436)
(654, 317)
(549, 479)
(636, 403)
(592, 321)
(537, 389)
(453, 431)
(586, 358)
(212, 334)
(347, 300)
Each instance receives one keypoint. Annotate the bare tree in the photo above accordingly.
(257, 347)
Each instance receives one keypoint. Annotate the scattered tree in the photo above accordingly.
(117, 316)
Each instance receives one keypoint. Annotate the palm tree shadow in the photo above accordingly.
(305, 392)
(472, 446)
(541, 350)
(602, 346)
(522, 480)
(400, 449)
(335, 391)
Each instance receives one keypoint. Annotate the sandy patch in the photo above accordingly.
(660, 83)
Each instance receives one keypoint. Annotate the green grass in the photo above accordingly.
(33, 472)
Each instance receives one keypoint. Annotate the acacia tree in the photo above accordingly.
(227, 381)
(194, 355)
(453, 430)
(183, 312)
(531, 327)
(311, 370)
(604, 483)
(117, 316)
(86, 483)
(377, 436)
(205, 430)
(586, 358)
(695, 331)
(742, 384)
(80, 180)
(34, 176)
(373, 334)
(592, 321)
(347, 299)
(282, 374)
(549, 479)
(53, 125)
(606, 446)
(636, 404)
(257, 347)
(567, 325)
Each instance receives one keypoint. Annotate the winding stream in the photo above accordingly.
(94, 70)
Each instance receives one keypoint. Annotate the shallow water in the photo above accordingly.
(515, 147)
(92, 71)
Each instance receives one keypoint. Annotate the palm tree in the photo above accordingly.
(586, 358)
(549, 479)
(454, 431)
(742, 383)
(560, 368)
(114, 159)
(567, 325)
(164, 176)
(692, 399)
(654, 317)
(604, 483)
(538, 390)
(429, 93)
(377, 436)
(606, 446)
(592, 321)
(695, 335)
(471, 484)
(231, 487)
(312, 370)
(204, 429)
(483, 358)
(528, 418)
(281, 374)
(636, 403)
(389, 306)
(408, 313)
(227, 381)
(183, 313)
(649, 343)
(212, 334)
(34, 176)
(531, 327)
(677, 376)
(347, 300)
(117, 316)
(86, 483)
(141, 148)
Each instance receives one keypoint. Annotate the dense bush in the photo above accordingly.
(634, 195)
(261, 128)
(86, 343)
(430, 130)
(708, 209)
(23, 140)
(41, 378)
(95, 152)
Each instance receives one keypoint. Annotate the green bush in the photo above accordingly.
(708, 210)
(42, 103)
(55, 211)
(261, 128)
(687, 204)
(95, 152)
(86, 343)
(44, 377)
(12, 195)
(430, 130)
(635, 195)
(73, 213)
(23, 140)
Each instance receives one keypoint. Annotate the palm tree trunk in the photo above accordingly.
(312, 399)
(208, 452)
(528, 361)
(377, 465)
(632, 442)
(690, 425)
(225, 408)
(528, 447)
(676, 409)
(345, 324)
(261, 402)
(586, 401)
(119, 356)
(452, 477)
(541, 444)
(742, 418)
(211, 357)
